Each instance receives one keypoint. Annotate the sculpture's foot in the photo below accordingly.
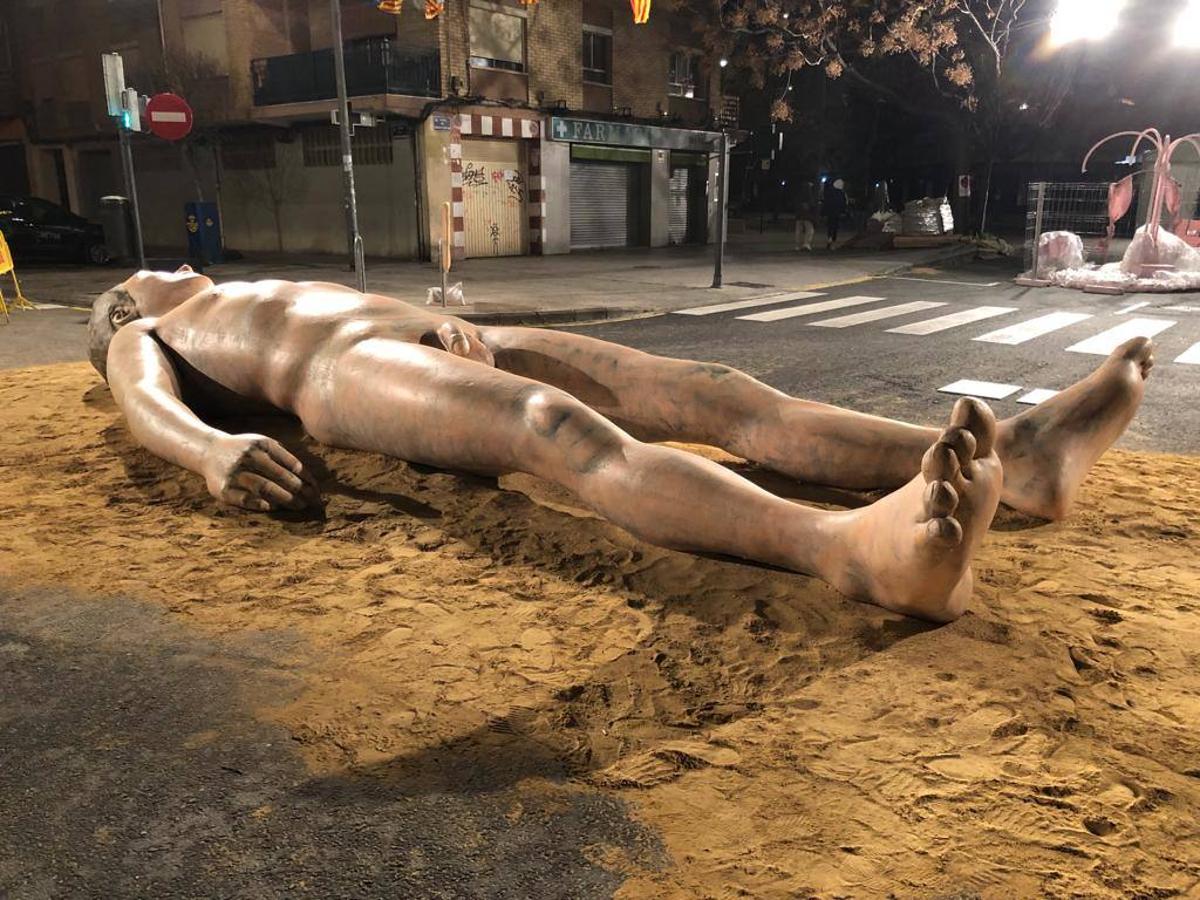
(911, 551)
(1048, 451)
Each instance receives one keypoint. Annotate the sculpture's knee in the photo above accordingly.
(725, 396)
(566, 431)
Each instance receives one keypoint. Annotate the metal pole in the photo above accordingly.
(445, 249)
(353, 238)
(131, 190)
(987, 193)
(722, 201)
(1037, 225)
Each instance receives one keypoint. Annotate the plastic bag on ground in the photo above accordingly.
(454, 296)
(1058, 250)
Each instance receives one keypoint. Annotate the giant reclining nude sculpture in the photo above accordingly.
(369, 372)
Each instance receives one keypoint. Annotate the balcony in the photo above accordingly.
(374, 66)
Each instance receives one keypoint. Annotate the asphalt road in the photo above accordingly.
(133, 764)
(866, 367)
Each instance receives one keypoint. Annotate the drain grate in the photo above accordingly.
(749, 284)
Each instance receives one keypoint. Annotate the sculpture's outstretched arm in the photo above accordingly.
(247, 470)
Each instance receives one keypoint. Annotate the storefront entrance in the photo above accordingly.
(495, 222)
(609, 197)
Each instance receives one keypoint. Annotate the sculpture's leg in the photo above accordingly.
(910, 552)
(1046, 452)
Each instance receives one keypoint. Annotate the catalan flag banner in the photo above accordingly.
(641, 11)
(434, 8)
(391, 7)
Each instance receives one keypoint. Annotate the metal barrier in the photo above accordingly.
(1080, 207)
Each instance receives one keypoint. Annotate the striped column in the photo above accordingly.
(458, 234)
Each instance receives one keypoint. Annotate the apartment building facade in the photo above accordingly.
(549, 127)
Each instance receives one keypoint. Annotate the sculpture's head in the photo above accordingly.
(144, 294)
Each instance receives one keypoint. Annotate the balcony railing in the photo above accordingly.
(373, 66)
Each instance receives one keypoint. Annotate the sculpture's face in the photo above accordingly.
(157, 293)
(143, 295)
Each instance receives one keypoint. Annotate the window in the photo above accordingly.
(248, 150)
(684, 78)
(204, 36)
(497, 39)
(597, 56)
(6, 62)
(369, 146)
(43, 212)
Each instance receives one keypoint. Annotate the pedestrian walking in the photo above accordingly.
(806, 212)
(834, 209)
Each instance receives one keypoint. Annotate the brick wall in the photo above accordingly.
(554, 51)
(640, 60)
(455, 43)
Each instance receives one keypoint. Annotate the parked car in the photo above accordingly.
(38, 229)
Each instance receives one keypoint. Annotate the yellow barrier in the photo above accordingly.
(7, 266)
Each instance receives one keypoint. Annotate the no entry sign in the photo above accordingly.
(169, 116)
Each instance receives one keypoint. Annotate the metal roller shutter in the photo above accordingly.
(677, 207)
(600, 204)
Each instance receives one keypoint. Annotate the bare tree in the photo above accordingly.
(272, 186)
(198, 79)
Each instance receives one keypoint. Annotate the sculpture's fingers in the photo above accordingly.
(453, 339)
(261, 463)
(280, 454)
(479, 351)
(268, 490)
(244, 499)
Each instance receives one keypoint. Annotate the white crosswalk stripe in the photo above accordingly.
(1036, 396)
(1033, 328)
(774, 315)
(952, 320)
(1190, 356)
(1101, 343)
(747, 304)
(1106, 342)
(874, 315)
(984, 390)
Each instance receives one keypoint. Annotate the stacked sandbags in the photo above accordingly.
(929, 216)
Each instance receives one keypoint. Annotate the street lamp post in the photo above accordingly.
(722, 202)
(358, 263)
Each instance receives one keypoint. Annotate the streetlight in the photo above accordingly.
(1084, 20)
(350, 200)
(724, 62)
(1187, 27)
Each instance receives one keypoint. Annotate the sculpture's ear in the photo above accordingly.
(122, 314)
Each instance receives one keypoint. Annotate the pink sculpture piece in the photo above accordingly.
(1164, 192)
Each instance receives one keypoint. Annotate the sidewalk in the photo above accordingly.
(548, 289)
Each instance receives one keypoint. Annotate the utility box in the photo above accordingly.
(203, 232)
(117, 219)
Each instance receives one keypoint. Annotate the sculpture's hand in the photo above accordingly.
(255, 472)
(457, 340)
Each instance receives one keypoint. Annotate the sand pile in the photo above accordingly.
(782, 740)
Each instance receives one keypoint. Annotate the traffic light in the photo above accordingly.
(131, 110)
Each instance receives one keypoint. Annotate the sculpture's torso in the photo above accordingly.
(264, 341)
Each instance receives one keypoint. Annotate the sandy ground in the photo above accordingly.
(782, 740)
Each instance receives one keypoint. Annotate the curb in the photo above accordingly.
(535, 317)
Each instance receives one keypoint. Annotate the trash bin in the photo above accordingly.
(117, 220)
(203, 232)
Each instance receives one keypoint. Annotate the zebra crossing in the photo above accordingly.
(868, 309)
